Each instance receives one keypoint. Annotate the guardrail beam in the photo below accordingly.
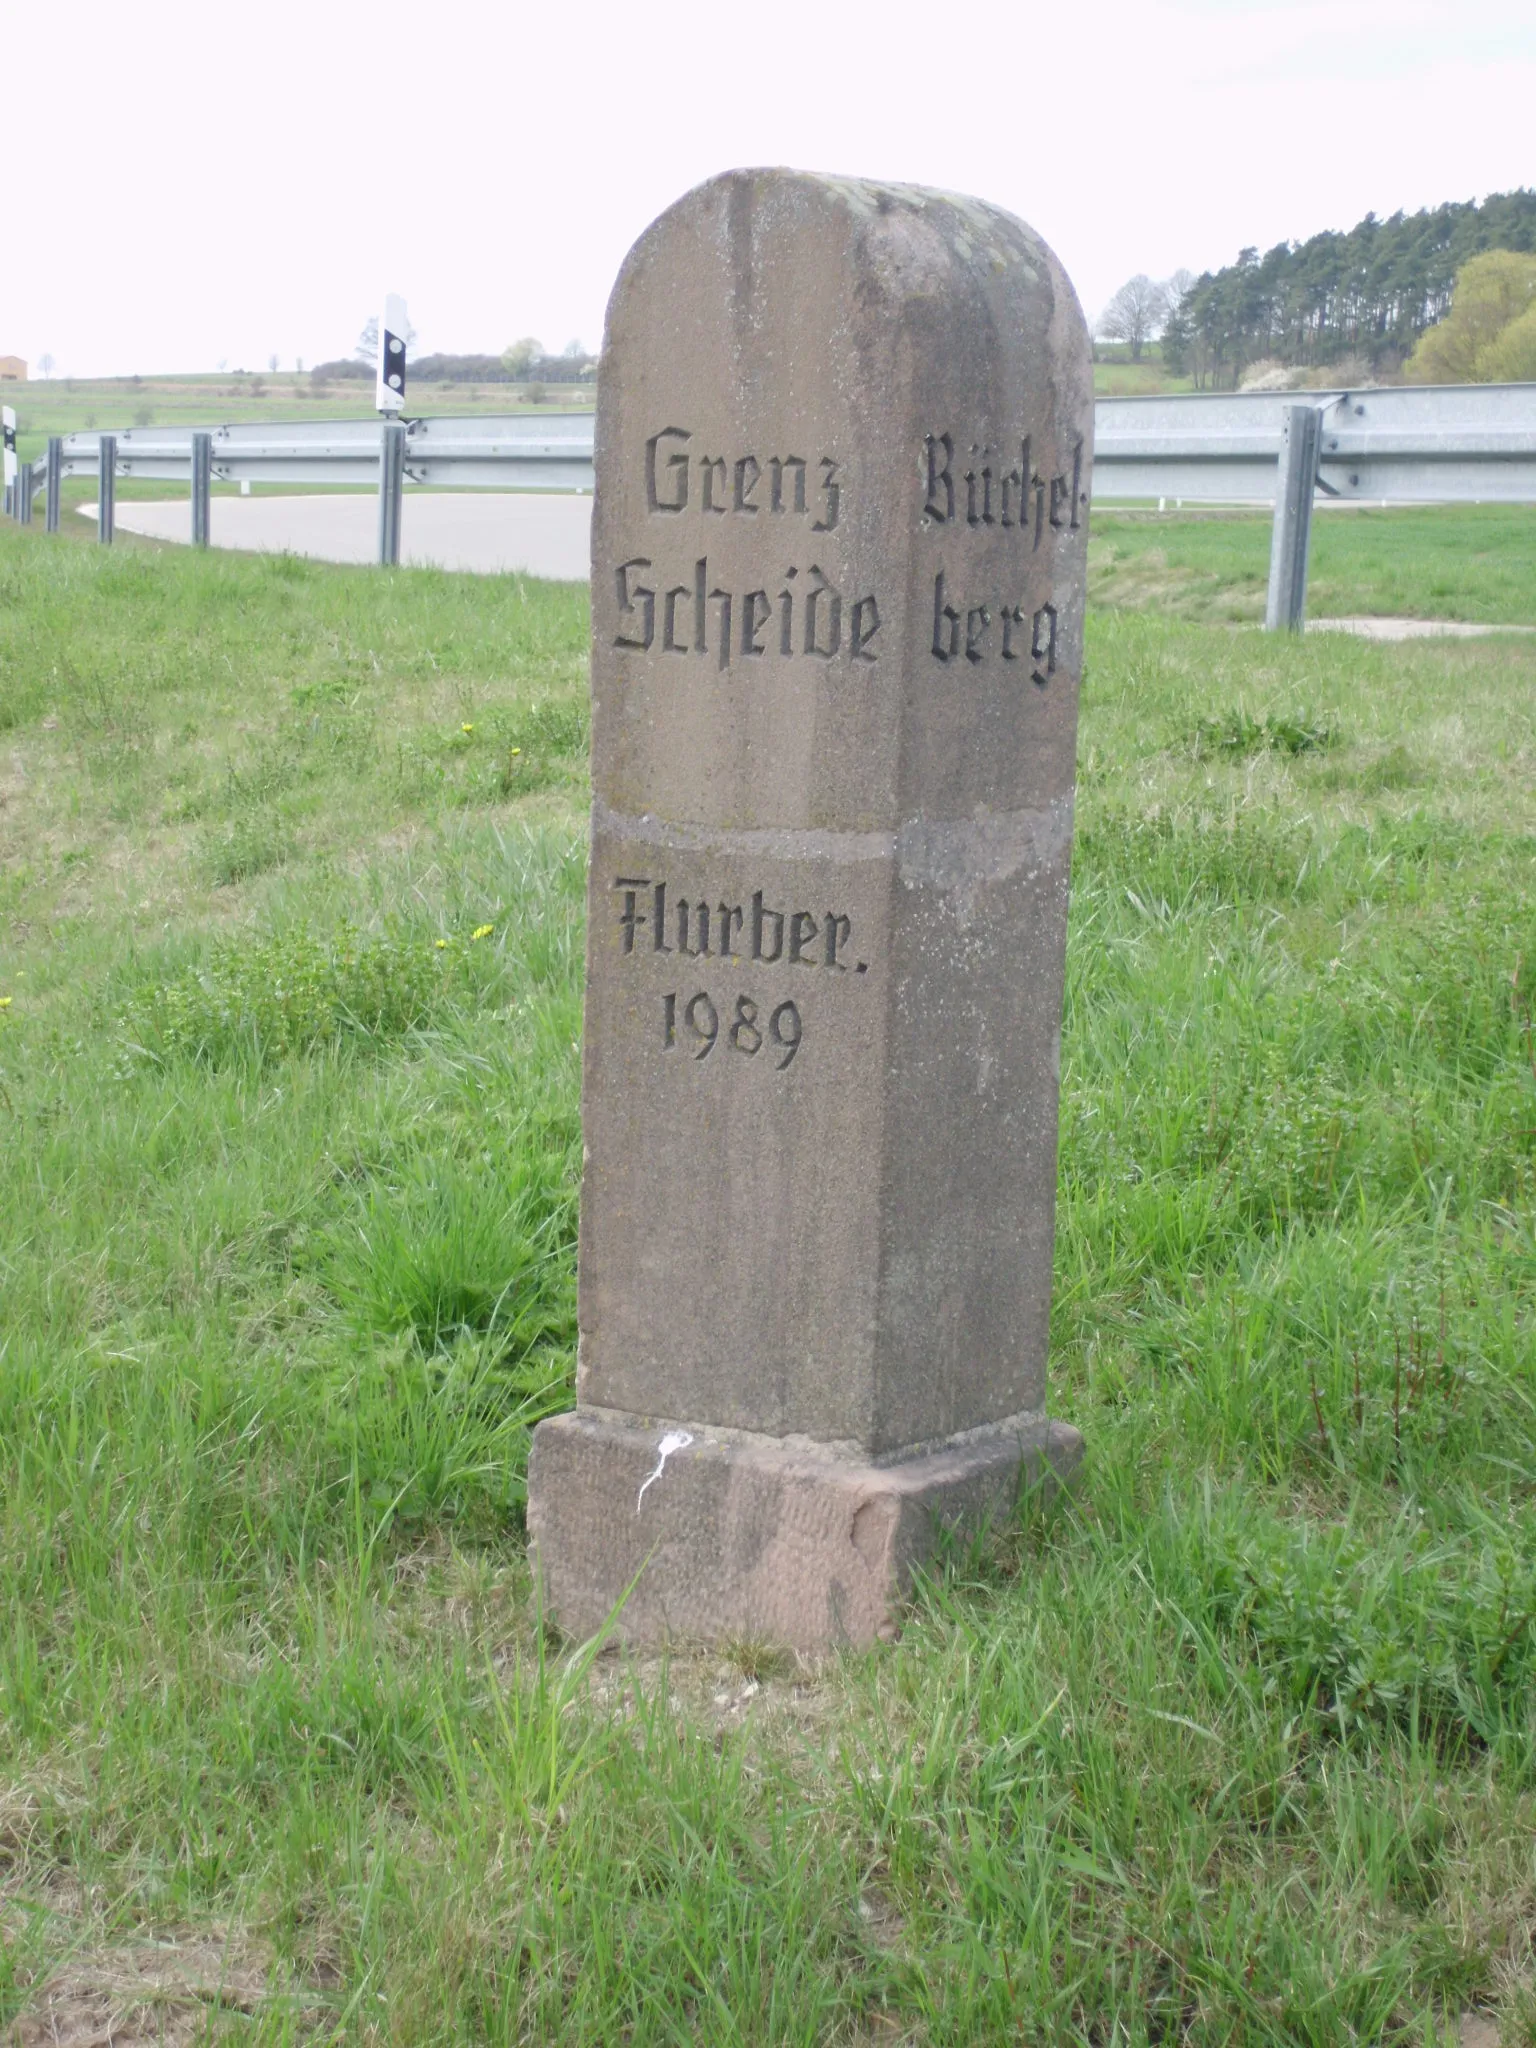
(1412, 444)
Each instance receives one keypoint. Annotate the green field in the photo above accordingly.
(69, 405)
(1237, 1747)
(65, 405)
(1473, 562)
(1115, 376)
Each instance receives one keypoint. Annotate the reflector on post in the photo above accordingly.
(8, 421)
(390, 390)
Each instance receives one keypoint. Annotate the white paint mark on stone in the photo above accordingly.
(674, 1440)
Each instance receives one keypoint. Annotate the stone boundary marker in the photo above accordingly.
(843, 455)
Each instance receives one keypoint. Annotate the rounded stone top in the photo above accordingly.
(843, 456)
(885, 243)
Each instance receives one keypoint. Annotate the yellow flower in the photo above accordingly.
(482, 931)
(466, 728)
(440, 944)
(5, 1002)
(515, 752)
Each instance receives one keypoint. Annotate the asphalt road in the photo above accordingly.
(541, 533)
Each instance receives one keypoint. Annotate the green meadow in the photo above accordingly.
(67, 405)
(1473, 563)
(1234, 1746)
(72, 405)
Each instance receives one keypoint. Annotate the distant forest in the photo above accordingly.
(445, 369)
(1368, 293)
(525, 369)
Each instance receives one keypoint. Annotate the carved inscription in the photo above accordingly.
(698, 617)
(797, 611)
(650, 921)
(1022, 635)
(701, 1027)
(1017, 499)
(670, 470)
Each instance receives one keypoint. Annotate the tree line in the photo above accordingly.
(523, 362)
(1368, 292)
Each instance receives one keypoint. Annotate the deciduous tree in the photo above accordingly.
(1512, 358)
(517, 359)
(1492, 295)
(1368, 292)
(1135, 314)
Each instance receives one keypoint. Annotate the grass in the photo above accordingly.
(1474, 563)
(1115, 375)
(1238, 1747)
(68, 405)
(64, 405)
(1121, 378)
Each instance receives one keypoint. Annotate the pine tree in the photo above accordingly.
(1370, 291)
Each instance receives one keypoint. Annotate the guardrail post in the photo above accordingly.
(391, 491)
(1295, 484)
(24, 494)
(106, 488)
(202, 487)
(55, 483)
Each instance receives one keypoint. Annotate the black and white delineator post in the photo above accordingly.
(393, 328)
(390, 399)
(8, 421)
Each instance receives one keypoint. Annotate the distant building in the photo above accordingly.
(12, 370)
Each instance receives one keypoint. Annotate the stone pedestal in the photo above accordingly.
(843, 457)
(743, 1538)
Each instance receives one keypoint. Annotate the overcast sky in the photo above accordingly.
(208, 182)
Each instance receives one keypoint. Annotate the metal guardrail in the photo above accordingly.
(1406, 444)
(1439, 444)
(486, 453)
(1435, 444)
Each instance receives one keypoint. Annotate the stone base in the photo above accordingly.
(745, 1539)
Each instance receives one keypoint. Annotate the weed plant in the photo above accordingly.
(1236, 1746)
